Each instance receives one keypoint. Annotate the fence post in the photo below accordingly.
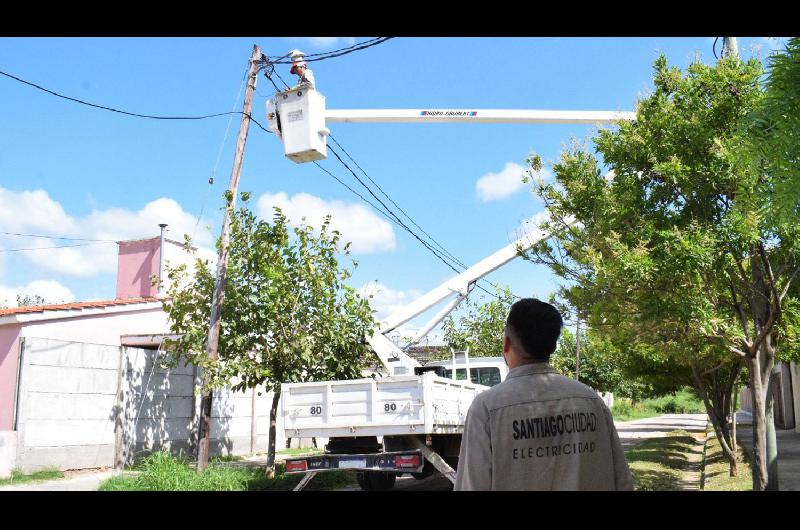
(120, 455)
(253, 423)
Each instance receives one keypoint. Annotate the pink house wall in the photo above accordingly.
(9, 359)
(137, 262)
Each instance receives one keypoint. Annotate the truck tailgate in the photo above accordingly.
(376, 407)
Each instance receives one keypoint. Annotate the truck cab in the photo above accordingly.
(486, 371)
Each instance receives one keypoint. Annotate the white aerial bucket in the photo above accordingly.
(297, 115)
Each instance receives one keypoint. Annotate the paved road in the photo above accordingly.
(630, 434)
(636, 431)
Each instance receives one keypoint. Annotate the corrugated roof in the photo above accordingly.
(76, 305)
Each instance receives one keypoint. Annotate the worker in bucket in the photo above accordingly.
(301, 70)
(539, 430)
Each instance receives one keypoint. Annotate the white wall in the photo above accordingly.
(103, 328)
(87, 405)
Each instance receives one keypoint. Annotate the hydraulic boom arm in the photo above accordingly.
(397, 361)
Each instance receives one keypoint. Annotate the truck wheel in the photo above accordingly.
(423, 475)
(376, 480)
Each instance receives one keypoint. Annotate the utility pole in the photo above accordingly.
(578, 348)
(729, 47)
(222, 261)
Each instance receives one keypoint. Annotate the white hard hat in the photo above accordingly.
(297, 55)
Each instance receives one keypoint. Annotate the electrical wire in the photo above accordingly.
(48, 248)
(338, 53)
(57, 237)
(431, 238)
(439, 245)
(714, 47)
(341, 49)
(395, 219)
(219, 155)
(127, 113)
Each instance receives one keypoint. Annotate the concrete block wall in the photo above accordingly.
(65, 415)
(159, 405)
(90, 406)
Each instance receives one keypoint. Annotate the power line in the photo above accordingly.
(394, 216)
(342, 49)
(219, 155)
(397, 221)
(443, 249)
(396, 205)
(125, 112)
(57, 237)
(58, 246)
(338, 53)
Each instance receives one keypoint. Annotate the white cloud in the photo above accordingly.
(530, 225)
(505, 183)
(385, 300)
(355, 222)
(34, 212)
(52, 292)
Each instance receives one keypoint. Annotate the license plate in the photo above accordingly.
(351, 463)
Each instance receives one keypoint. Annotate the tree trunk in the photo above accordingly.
(273, 412)
(716, 408)
(771, 445)
(735, 405)
(760, 473)
(734, 444)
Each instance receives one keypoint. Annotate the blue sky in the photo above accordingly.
(70, 170)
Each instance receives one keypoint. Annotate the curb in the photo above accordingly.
(710, 433)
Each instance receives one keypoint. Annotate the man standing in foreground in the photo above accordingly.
(539, 430)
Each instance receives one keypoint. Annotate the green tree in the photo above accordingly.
(480, 326)
(25, 300)
(675, 251)
(599, 365)
(288, 314)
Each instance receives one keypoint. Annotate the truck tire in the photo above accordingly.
(422, 475)
(375, 480)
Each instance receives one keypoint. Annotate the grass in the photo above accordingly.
(299, 451)
(716, 472)
(660, 464)
(683, 402)
(18, 477)
(164, 472)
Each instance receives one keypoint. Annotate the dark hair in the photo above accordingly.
(534, 326)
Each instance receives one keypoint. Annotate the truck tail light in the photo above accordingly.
(406, 461)
(296, 465)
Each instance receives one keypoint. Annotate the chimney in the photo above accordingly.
(161, 260)
(137, 261)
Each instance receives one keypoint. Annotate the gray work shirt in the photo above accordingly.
(539, 430)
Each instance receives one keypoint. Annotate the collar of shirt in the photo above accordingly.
(531, 368)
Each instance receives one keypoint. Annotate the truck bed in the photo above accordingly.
(389, 406)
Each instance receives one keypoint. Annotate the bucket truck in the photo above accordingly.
(408, 422)
(412, 420)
